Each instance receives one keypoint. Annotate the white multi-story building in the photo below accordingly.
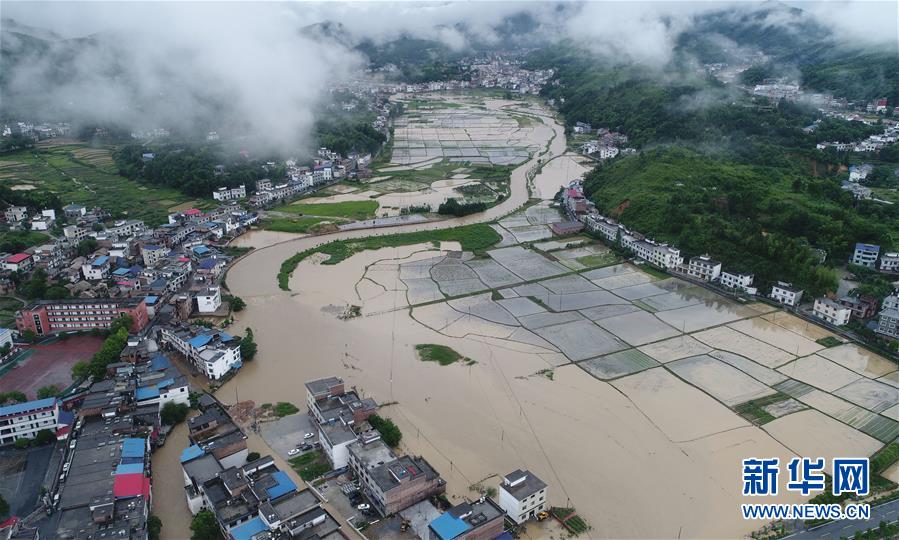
(336, 440)
(15, 213)
(786, 294)
(209, 300)
(607, 152)
(889, 262)
(865, 254)
(74, 233)
(738, 281)
(96, 269)
(126, 228)
(661, 255)
(831, 311)
(704, 268)
(212, 352)
(25, 420)
(225, 194)
(522, 495)
(152, 254)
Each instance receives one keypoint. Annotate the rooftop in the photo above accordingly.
(521, 484)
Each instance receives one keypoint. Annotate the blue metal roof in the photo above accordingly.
(867, 247)
(66, 418)
(160, 362)
(200, 250)
(27, 406)
(225, 336)
(249, 529)
(207, 264)
(449, 526)
(130, 460)
(198, 341)
(122, 271)
(148, 392)
(100, 261)
(151, 299)
(130, 468)
(165, 383)
(284, 486)
(133, 447)
(191, 452)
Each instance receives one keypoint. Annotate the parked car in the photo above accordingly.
(72, 445)
(293, 451)
(363, 507)
(308, 435)
(65, 467)
(306, 447)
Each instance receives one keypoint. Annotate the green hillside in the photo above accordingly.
(753, 218)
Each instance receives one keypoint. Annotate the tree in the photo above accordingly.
(390, 433)
(253, 456)
(236, 303)
(248, 346)
(29, 336)
(81, 371)
(44, 436)
(204, 527)
(154, 527)
(14, 396)
(4, 508)
(86, 247)
(48, 391)
(23, 443)
(174, 413)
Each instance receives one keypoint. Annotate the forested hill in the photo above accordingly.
(755, 218)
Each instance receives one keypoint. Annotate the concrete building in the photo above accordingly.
(25, 420)
(831, 311)
(862, 307)
(209, 300)
(522, 495)
(391, 483)
(889, 262)
(704, 268)
(96, 269)
(888, 323)
(786, 294)
(15, 213)
(152, 254)
(212, 352)
(226, 194)
(478, 520)
(738, 281)
(19, 262)
(865, 255)
(49, 316)
(336, 440)
(74, 233)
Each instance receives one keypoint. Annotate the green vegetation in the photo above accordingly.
(828, 341)
(4, 508)
(310, 465)
(598, 260)
(80, 174)
(570, 520)
(355, 210)
(476, 238)
(344, 133)
(248, 346)
(16, 241)
(204, 526)
(885, 457)
(453, 207)
(236, 303)
(441, 354)
(13, 396)
(283, 408)
(253, 456)
(8, 307)
(191, 169)
(390, 433)
(754, 412)
(47, 391)
(174, 413)
(298, 225)
(758, 219)
(111, 348)
(154, 527)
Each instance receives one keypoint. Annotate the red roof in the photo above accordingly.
(129, 485)
(192, 212)
(18, 257)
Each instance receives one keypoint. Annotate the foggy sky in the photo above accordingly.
(250, 63)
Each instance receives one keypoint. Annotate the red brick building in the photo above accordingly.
(50, 316)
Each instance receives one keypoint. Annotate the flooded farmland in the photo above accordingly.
(616, 388)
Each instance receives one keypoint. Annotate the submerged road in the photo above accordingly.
(255, 274)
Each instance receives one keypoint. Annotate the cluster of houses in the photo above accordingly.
(34, 131)
(837, 312)
(872, 144)
(103, 483)
(327, 169)
(393, 483)
(608, 144)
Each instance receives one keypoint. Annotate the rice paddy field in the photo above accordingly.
(82, 174)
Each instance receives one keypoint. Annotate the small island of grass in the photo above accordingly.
(443, 355)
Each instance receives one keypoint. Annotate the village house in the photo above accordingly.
(214, 353)
(889, 262)
(522, 495)
(831, 311)
(865, 255)
(738, 281)
(152, 254)
(786, 294)
(74, 211)
(25, 420)
(19, 262)
(96, 269)
(209, 300)
(704, 268)
(15, 214)
(476, 520)
(226, 194)
(862, 307)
